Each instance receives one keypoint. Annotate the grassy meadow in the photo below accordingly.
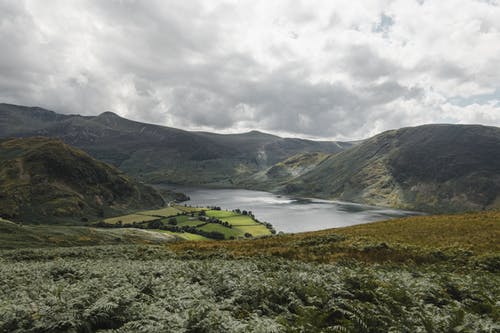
(182, 221)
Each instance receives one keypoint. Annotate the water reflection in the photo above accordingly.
(291, 214)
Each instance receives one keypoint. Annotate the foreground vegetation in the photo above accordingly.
(418, 274)
(149, 289)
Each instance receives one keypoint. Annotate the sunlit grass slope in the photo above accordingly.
(418, 239)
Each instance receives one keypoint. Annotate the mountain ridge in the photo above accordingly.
(159, 154)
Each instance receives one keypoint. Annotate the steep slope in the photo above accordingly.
(44, 180)
(430, 168)
(281, 173)
(157, 153)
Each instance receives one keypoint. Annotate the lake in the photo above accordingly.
(289, 214)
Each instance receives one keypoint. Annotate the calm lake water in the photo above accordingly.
(290, 214)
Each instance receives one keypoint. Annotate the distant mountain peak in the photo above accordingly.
(108, 114)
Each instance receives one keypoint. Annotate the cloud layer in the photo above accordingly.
(325, 69)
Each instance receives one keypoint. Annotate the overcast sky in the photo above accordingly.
(319, 69)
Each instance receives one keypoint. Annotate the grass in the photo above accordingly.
(186, 235)
(164, 212)
(237, 220)
(417, 274)
(189, 209)
(13, 236)
(228, 232)
(241, 224)
(465, 237)
(477, 232)
(220, 214)
(256, 230)
(130, 219)
(192, 223)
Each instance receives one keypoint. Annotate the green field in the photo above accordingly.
(192, 221)
(228, 232)
(188, 217)
(189, 209)
(220, 214)
(256, 230)
(239, 220)
(130, 219)
(164, 212)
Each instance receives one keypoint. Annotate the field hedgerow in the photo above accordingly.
(149, 289)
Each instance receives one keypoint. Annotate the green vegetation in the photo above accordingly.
(434, 168)
(185, 235)
(164, 212)
(130, 219)
(46, 181)
(14, 236)
(369, 278)
(158, 154)
(465, 239)
(148, 271)
(179, 220)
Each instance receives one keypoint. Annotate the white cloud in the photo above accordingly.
(332, 69)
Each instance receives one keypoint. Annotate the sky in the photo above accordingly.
(330, 69)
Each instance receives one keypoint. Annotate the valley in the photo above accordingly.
(245, 232)
(431, 168)
(249, 166)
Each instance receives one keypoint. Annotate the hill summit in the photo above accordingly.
(44, 180)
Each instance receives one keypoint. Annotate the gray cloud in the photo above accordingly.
(239, 66)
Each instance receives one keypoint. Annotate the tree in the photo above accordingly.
(172, 221)
(156, 224)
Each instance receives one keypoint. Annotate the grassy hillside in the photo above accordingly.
(15, 236)
(420, 274)
(278, 175)
(188, 222)
(159, 154)
(435, 168)
(46, 181)
(425, 239)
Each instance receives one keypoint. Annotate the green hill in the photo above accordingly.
(46, 181)
(15, 236)
(436, 168)
(159, 154)
(466, 238)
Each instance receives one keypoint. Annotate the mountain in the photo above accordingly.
(435, 168)
(272, 178)
(44, 180)
(158, 154)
